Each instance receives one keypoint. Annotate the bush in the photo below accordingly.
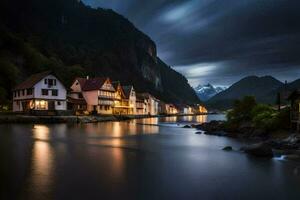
(260, 115)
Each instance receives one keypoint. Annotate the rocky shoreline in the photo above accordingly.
(262, 143)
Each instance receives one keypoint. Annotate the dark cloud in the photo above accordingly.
(220, 41)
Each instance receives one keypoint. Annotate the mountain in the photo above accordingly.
(73, 39)
(205, 92)
(263, 88)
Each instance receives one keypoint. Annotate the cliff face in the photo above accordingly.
(75, 40)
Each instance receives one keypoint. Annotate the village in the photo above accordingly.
(43, 94)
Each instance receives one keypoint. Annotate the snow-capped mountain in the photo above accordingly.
(205, 92)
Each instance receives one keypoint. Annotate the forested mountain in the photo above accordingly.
(264, 89)
(73, 39)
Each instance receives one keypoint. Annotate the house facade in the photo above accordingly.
(40, 92)
(295, 110)
(167, 109)
(151, 104)
(130, 97)
(99, 95)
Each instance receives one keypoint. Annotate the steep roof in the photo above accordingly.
(127, 90)
(81, 81)
(94, 83)
(32, 80)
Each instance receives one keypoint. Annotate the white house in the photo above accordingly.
(40, 92)
(151, 104)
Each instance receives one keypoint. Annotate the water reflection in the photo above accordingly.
(42, 163)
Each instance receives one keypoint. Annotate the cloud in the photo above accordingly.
(220, 41)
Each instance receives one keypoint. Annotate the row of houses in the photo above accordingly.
(44, 92)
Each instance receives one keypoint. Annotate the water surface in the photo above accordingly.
(139, 159)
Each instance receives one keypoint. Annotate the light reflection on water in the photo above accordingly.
(129, 160)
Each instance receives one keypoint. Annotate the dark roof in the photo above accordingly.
(294, 95)
(116, 84)
(94, 84)
(32, 80)
(81, 81)
(127, 90)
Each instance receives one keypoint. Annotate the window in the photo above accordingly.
(54, 92)
(23, 92)
(80, 96)
(41, 105)
(44, 92)
(15, 94)
(58, 103)
(29, 91)
(46, 81)
(50, 82)
(54, 81)
(18, 93)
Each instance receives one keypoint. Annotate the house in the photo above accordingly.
(141, 103)
(168, 109)
(75, 99)
(130, 97)
(151, 104)
(122, 104)
(202, 109)
(40, 92)
(295, 109)
(98, 93)
(188, 110)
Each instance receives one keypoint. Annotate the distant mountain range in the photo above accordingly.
(265, 89)
(205, 92)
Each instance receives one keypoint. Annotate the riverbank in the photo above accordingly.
(13, 118)
(262, 143)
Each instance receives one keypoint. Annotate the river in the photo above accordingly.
(139, 159)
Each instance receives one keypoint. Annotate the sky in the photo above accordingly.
(219, 41)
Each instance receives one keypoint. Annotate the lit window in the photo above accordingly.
(41, 105)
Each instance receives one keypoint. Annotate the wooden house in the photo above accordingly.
(39, 94)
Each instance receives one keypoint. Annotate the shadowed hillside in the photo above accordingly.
(75, 40)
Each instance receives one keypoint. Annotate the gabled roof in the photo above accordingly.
(127, 89)
(94, 83)
(81, 81)
(32, 80)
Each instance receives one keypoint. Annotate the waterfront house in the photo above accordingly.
(295, 109)
(166, 108)
(120, 105)
(75, 100)
(188, 110)
(151, 104)
(130, 97)
(202, 109)
(39, 94)
(99, 95)
(141, 102)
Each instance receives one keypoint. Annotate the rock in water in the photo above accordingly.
(198, 133)
(227, 148)
(259, 150)
(187, 126)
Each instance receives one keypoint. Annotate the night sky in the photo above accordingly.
(219, 41)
